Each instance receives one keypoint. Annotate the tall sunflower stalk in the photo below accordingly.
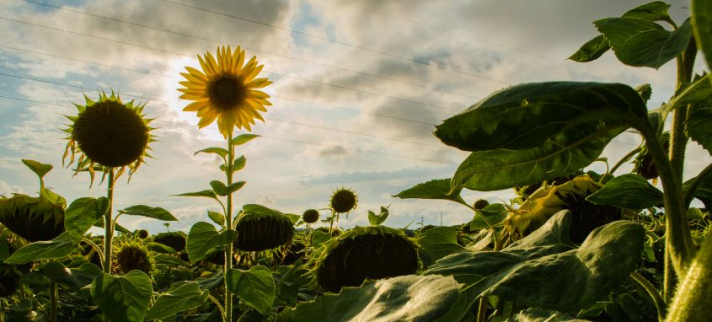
(227, 90)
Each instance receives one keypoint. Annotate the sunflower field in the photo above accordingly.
(574, 244)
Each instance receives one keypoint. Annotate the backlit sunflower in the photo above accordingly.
(108, 133)
(226, 90)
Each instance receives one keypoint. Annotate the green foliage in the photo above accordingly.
(436, 243)
(376, 220)
(702, 25)
(545, 270)
(488, 217)
(433, 189)
(82, 214)
(254, 286)
(243, 138)
(203, 237)
(58, 247)
(591, 50)
(695, 291)
(404, 298)
(150, 212)
(123, 298)
(180, 296)
(628, 191)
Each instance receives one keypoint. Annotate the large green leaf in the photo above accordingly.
(703, 191)
(150, 212)
(628, 191)
(123, 298)
(695, 92)
(591, 50)
(203, 236)
(699, 125)
(702, 25)
(526, 116)
(73, 278)
(255, 287)
(643, 43)
(653, 11)
(488, 217)
(557, 157)
(82, 214)
(58, 247)
(436, 243)
(180, 296)
(403, 298)
(545, 270)
(433, 189)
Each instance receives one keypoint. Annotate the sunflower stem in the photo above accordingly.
(228, 219)
(53, 302)
(108, 227)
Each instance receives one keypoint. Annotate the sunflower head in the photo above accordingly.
(343, 200)
(142, 233)
(32, 218)
(173, 239)
(263, 230)
(134, 256)
(108, 133)
(310, 216)
(372, 252)
(480, 203)
(226, 89)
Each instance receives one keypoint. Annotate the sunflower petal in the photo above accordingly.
(195, 106)
(213, 64)
(254, 73)
(206, 66)
(258, 83)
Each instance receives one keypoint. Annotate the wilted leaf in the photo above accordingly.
(545, 270)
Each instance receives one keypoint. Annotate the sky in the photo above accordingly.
(358, 88)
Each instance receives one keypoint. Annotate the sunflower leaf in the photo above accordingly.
(150, 212)
(204, 193)
(82, 214)
(235, 186)
(41, 169)
(654, 11)
(180, 296)
(628, 191)
(203, 236)
(239, 164)
(123, 298)
(219, 187)
(702, 25)
(58, 247)
(243, 138)
(215, 150)
(255, 287)
(433, 189)
(376, 220)
(217, 217)
(591, 50)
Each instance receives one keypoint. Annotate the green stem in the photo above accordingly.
(53, 302)
(624, 160)
(482, 310)
(108, 227)
(659, 302)
(690, 194)
(227, 313)
(217, 303)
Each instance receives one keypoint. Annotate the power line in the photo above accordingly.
(298, 32)
(274, 73)
(273, 137)
(253, 49)
(177, 78)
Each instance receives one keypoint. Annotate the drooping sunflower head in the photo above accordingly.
(108, 133)
(32, 218)
(134, 256)
(310, 216)
(261, 229)
(226, 89)
(174, 239)
(372, 252)
(343, 200)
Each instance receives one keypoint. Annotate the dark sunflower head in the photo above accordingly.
(108, 134)
(362, 253)
(263, 230)
(133, 256)
(32, 218)
(587, 216)
(310, 216)
(173, 239)
(142, 233)
(481, 203)
(343, 200)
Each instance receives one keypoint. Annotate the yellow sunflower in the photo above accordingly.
(226, 89)
(108, 133)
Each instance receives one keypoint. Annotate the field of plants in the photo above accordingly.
(573, 245)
